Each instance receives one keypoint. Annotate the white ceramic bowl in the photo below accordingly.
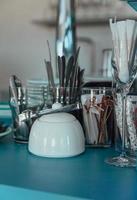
(56, 135)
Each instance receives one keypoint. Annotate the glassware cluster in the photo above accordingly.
(124, 34)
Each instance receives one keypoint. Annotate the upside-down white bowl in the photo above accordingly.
(56, 135)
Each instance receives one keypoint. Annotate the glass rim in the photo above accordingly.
(98, 88)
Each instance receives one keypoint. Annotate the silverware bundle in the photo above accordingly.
(21, 115)
(16, 92)
(70, 80)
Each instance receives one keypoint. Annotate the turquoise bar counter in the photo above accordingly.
(133, 3)
(25, 176)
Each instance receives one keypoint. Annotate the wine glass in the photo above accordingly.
(123, 85)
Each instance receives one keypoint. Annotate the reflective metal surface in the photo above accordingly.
(66, 32)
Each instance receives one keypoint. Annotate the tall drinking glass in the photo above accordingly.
(123, 85)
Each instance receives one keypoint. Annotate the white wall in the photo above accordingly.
(101, 36)
(23, 45)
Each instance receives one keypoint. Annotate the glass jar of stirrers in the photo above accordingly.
(98, 116)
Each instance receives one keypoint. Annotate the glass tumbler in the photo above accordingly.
(35, 97)
(98, 116)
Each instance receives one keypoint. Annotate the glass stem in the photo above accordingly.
(124, 102)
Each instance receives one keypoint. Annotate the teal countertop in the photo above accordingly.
(84, 176)
(133, 3)
(14, 193)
